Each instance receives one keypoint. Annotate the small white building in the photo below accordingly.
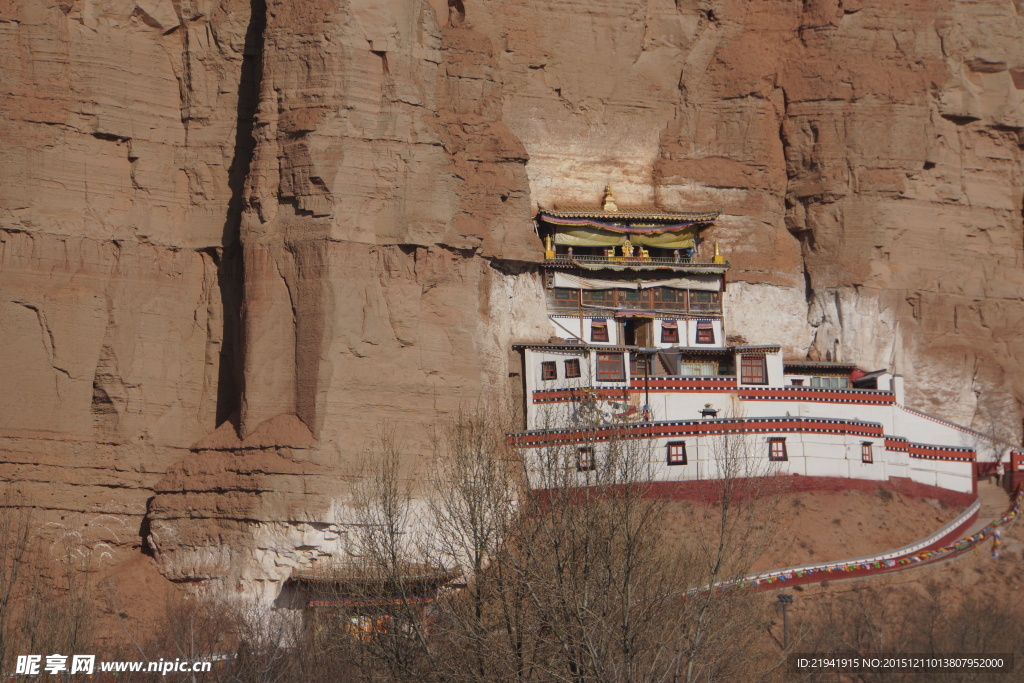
(639, 352)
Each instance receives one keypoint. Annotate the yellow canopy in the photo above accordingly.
(596, 237)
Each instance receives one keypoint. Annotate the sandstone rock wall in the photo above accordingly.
(868, 156)
(238, 236)
(120, 155)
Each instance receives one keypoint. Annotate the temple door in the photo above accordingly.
(644, 328)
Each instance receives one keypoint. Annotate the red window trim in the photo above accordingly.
(548, 370)
(777, 449)
(705, 333)
(574, 364)
(750, 378)
(669, 454)
(585, 461)
(609, 363)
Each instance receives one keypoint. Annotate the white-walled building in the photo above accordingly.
(639, 351)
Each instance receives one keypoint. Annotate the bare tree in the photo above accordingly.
(476, 485)
(569, 572)
(386, 569)
(914, 620)
(578, 577)
(716, 630)
(46, 601)
(16, 525)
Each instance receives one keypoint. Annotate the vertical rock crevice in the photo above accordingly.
(109, 391)
(231, 270)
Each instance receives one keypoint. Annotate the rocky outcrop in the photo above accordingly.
(238, 236)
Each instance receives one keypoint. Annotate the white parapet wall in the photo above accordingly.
(901, 442)
(695, 450)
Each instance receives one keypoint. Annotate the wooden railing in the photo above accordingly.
(658, 261)
(645, 300)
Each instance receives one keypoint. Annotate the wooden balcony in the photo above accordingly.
(684, 303)
(691, 265)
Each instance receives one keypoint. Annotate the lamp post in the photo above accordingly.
(785, 600)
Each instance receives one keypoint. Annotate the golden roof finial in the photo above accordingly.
(609, 200)
(718, 254)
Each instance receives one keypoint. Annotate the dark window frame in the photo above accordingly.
(639, 365)
(713, 304)
(669, 299)
(705, 333)
(762, 365)
(548, 370)
(566, 294)
(609, 363)
(564, 298)
(675, 458)
(867, 452)
(599, 332)
(572, 368)
(585, 460)
(598, 297)
(633, 298)
(777, 451)
(669, 335)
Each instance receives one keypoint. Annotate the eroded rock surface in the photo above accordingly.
(238, 236)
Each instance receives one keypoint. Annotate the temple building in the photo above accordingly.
(365, 598)
(639, 338)
(630, 278)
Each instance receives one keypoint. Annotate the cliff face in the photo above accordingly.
(237, 237)
(120, 160)
(868, 156)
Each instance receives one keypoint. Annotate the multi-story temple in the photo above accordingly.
(639, 339)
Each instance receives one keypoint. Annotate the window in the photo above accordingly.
(638, 366)
(797, 382)
(585, 458)
(669, 332)
(563, 294)
(752, 370)
(572, 368)
(668, 299)
(598, 330)
(705, 333)
(600, 297)
(705, 302)
(777, 449)
(561, 297)
(548, 370)
(677, 453)
(866, 455)
(698, 369)
(634, 298)
(610, 367)
(831, 382)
